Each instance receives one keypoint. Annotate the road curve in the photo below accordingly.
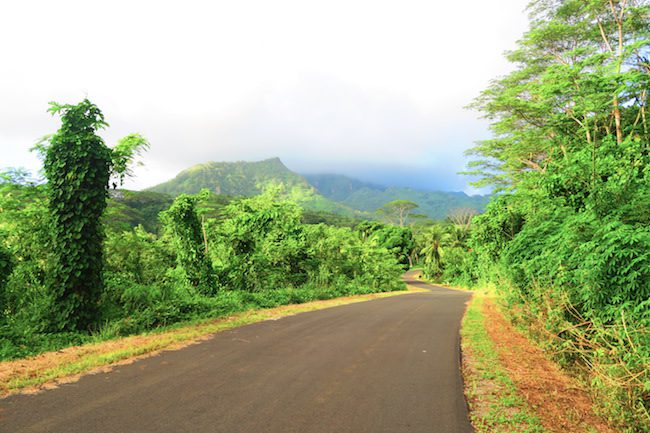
(389, 365)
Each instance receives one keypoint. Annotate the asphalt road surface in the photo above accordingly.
(389, 365)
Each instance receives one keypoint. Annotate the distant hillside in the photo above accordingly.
(368, 197)
(231, 178)
(127, 209)
(316, 192)
(336, 186)
(249, 178)
(434, 204)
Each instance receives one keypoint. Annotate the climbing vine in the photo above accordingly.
(78, 166)
(182, 222)
(6, 266)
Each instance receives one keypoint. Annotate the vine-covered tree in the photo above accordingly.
(6, 266)
(182, 222)
(78, 166)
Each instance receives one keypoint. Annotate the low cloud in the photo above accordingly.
(321, 126)
(370, 89)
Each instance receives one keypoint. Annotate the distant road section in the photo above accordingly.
(385, 366)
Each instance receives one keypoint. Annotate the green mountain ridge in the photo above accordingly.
(434, 204)
(369, 197)
(331, 193)
(243, 178)
(231, 178)
(338, 187)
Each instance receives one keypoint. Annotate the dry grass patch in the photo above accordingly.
(559, 400)
(494, 403)
(512, 386)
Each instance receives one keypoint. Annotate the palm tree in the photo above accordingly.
(456, 237)
(432, 251)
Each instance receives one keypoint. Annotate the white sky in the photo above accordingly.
(374, 88)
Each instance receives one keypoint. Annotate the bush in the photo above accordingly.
(262, 254)
(459, 267)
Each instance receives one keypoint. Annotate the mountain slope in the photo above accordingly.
(317, 192)
(249, 178)
(368, 197)
(127, 209)
(231, 178)
(434, 204)
(336, 186)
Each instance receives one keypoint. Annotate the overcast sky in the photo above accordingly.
(373, 89)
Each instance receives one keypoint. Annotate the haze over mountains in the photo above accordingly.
(321, 192)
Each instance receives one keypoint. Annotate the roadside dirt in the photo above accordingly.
(557, 399)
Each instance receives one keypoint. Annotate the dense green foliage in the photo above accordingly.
(261, 243)
(209, 256)
(442, 250)
(568, 244)
(27, 238)
(77, 165)
(6, 267)
(397, 240)
(191, 245)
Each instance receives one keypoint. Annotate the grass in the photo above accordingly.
(495, 405)
(52, 368)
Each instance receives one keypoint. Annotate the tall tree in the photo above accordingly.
(397, 211)
(571, 144)
(433, 239)
(462, 217)
(581, 81)
(78, 166)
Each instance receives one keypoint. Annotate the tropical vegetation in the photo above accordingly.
(566, 241)
(80, 260)
(322, 193)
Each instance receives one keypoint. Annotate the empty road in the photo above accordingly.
(389, 365)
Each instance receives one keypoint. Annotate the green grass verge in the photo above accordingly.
(495, 405)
